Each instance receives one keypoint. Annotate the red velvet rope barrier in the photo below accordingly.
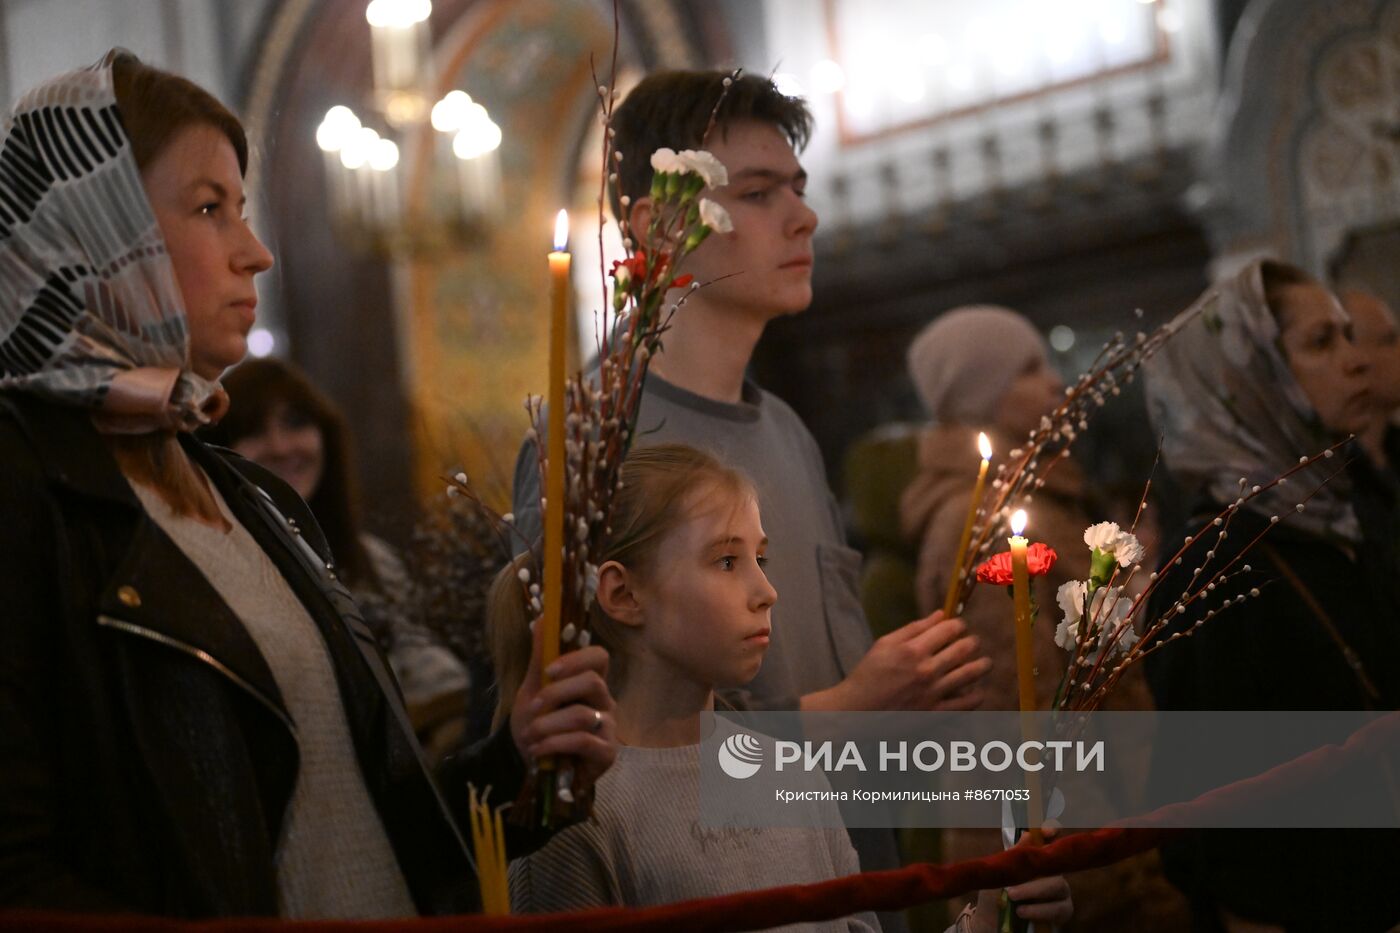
(883, 890)
(748, 910)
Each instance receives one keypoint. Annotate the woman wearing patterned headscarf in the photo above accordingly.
(194, 720)
(1261, 373)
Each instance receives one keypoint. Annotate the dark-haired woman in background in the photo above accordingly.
(280, 421)
(194, 720)
(1264, 374)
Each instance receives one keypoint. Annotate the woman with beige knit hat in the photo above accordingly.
(985, 368)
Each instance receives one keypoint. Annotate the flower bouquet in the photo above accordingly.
(1023, 471)
(1102, 625)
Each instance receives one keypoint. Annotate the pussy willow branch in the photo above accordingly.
(1115, 366)
(1198, 589)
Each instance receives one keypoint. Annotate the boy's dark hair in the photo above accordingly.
(672, 109)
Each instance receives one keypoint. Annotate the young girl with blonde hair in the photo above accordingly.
(683, 607)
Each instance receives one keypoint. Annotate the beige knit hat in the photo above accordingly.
(965, 359)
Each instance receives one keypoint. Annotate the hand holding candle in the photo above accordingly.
(950, 602)
(559, 287)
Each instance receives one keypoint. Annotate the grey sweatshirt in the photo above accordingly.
(645, 844)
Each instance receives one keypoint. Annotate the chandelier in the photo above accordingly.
(372, 206)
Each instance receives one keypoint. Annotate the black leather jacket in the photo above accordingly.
(146, 756)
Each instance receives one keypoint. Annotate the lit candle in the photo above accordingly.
(559, 262)
(1021, 591)
(1025, 657)
(950, 602)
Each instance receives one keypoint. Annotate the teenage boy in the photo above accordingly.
(822, 656)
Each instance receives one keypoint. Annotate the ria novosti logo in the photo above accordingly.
(740, 756)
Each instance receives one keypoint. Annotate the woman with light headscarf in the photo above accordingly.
(194, 719)
(1261, 372)
(985, 368)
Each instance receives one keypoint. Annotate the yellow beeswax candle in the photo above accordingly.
(950, 602)
(559, 263)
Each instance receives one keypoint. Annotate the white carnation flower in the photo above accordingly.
(1107, 612)
(1067, 634)
(715, 217)
(1070, 596)
(705, 165)
(666, 161)
(1110, 539)
(1101, 536)
(1125, 641)
(1108, 616)
(1129, 550)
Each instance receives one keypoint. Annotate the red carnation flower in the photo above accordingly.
(636, 265)
(997, 570)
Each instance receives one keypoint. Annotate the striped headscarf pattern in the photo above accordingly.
(90, 310)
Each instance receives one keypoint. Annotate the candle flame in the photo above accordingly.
(984, 446)
(561, 231)
(1018, 522)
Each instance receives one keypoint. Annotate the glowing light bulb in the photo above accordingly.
(450, 114)
(384, 155)
(478, 135)
(358, 148)
(339, 124)
(397, 14)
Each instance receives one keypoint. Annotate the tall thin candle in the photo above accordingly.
(559, 262)
(950, 602)
(1025, 658)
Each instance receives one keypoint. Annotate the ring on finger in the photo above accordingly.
(597, 721)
